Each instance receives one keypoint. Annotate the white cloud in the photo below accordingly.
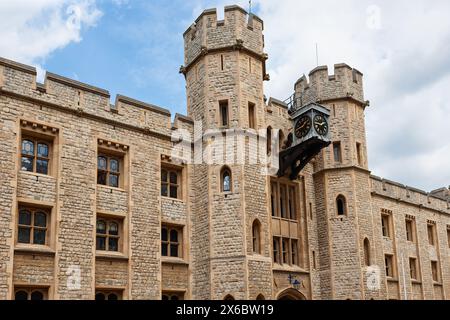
(31, 30)
(403, 49)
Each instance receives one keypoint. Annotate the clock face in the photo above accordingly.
(320, 125)
(302, 127)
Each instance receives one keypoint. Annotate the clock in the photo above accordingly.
(320, 125)
(302, 127)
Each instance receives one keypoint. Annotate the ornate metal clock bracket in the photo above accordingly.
(311, 134)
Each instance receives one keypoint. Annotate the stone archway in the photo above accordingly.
(291, 294)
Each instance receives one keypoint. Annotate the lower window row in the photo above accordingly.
(30, 293)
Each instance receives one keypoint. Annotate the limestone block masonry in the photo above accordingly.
(335, 232)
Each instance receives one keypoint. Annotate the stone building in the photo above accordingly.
(96, 204)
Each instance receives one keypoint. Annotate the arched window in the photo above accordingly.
(341, 205)
(280, 140)
(225, 177)
(256, 234)
(260, 297)
(228, 297)
(366, 252)
(269, 140)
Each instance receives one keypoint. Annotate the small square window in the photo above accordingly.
(171, 241)
(171, 182)
(109, 169)
(109, 234)
(33, 225)
(35, 155)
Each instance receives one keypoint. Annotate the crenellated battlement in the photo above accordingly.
(238, 29)
(58, 92)
(435, 200)
(346, 82)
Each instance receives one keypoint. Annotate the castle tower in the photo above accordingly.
(224, 68)
(342, 183)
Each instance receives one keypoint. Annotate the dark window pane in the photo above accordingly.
(27, 164)
(114, 165)
(164, 175)
(174, 250)
(101, 226)
(40, 219)
(173, 192)
(42, 150)
(24, 217)
(28, 147)
(21, 295)
(24, 235)
(164, 190)
(112, 296)
(101, 177)
(174, 297)
(101, 243)
(37, 295)
(164, 249)
(164, 297)
(113, 180)
(102, 163)
(113, 228)
(39, 236)
(173, 177)
(174, 235)
(164, 234)
(42, 166)
(100, 296)
(113, 244)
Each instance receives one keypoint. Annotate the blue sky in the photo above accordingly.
(135, 48)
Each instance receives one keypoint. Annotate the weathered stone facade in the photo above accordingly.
(304, 249)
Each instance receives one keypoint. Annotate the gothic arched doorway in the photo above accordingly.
(291, 294)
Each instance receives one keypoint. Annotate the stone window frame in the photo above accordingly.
(179, 243)
(170, 168)
(359, 154)
(171, 294)
(251, 110)
(337, 152)
(107, 292)
(39, 133)
(109, 219)
(35, 157)
(256, 237)
(276, 250)
(435, 271)
(29, 290)
(367, 252)
(224, 113)
(226, 170)
(389, 263)
(341, 205)
(32, 227)
(386, 225)
(117, 151)
(431, 233)
(289, 187)
(414, 271)
(285, 252)
(35, 206)
(410, 229)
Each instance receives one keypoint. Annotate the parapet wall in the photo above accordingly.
(346, 82)
(399, 192)
(19, 80)
(237, 28)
